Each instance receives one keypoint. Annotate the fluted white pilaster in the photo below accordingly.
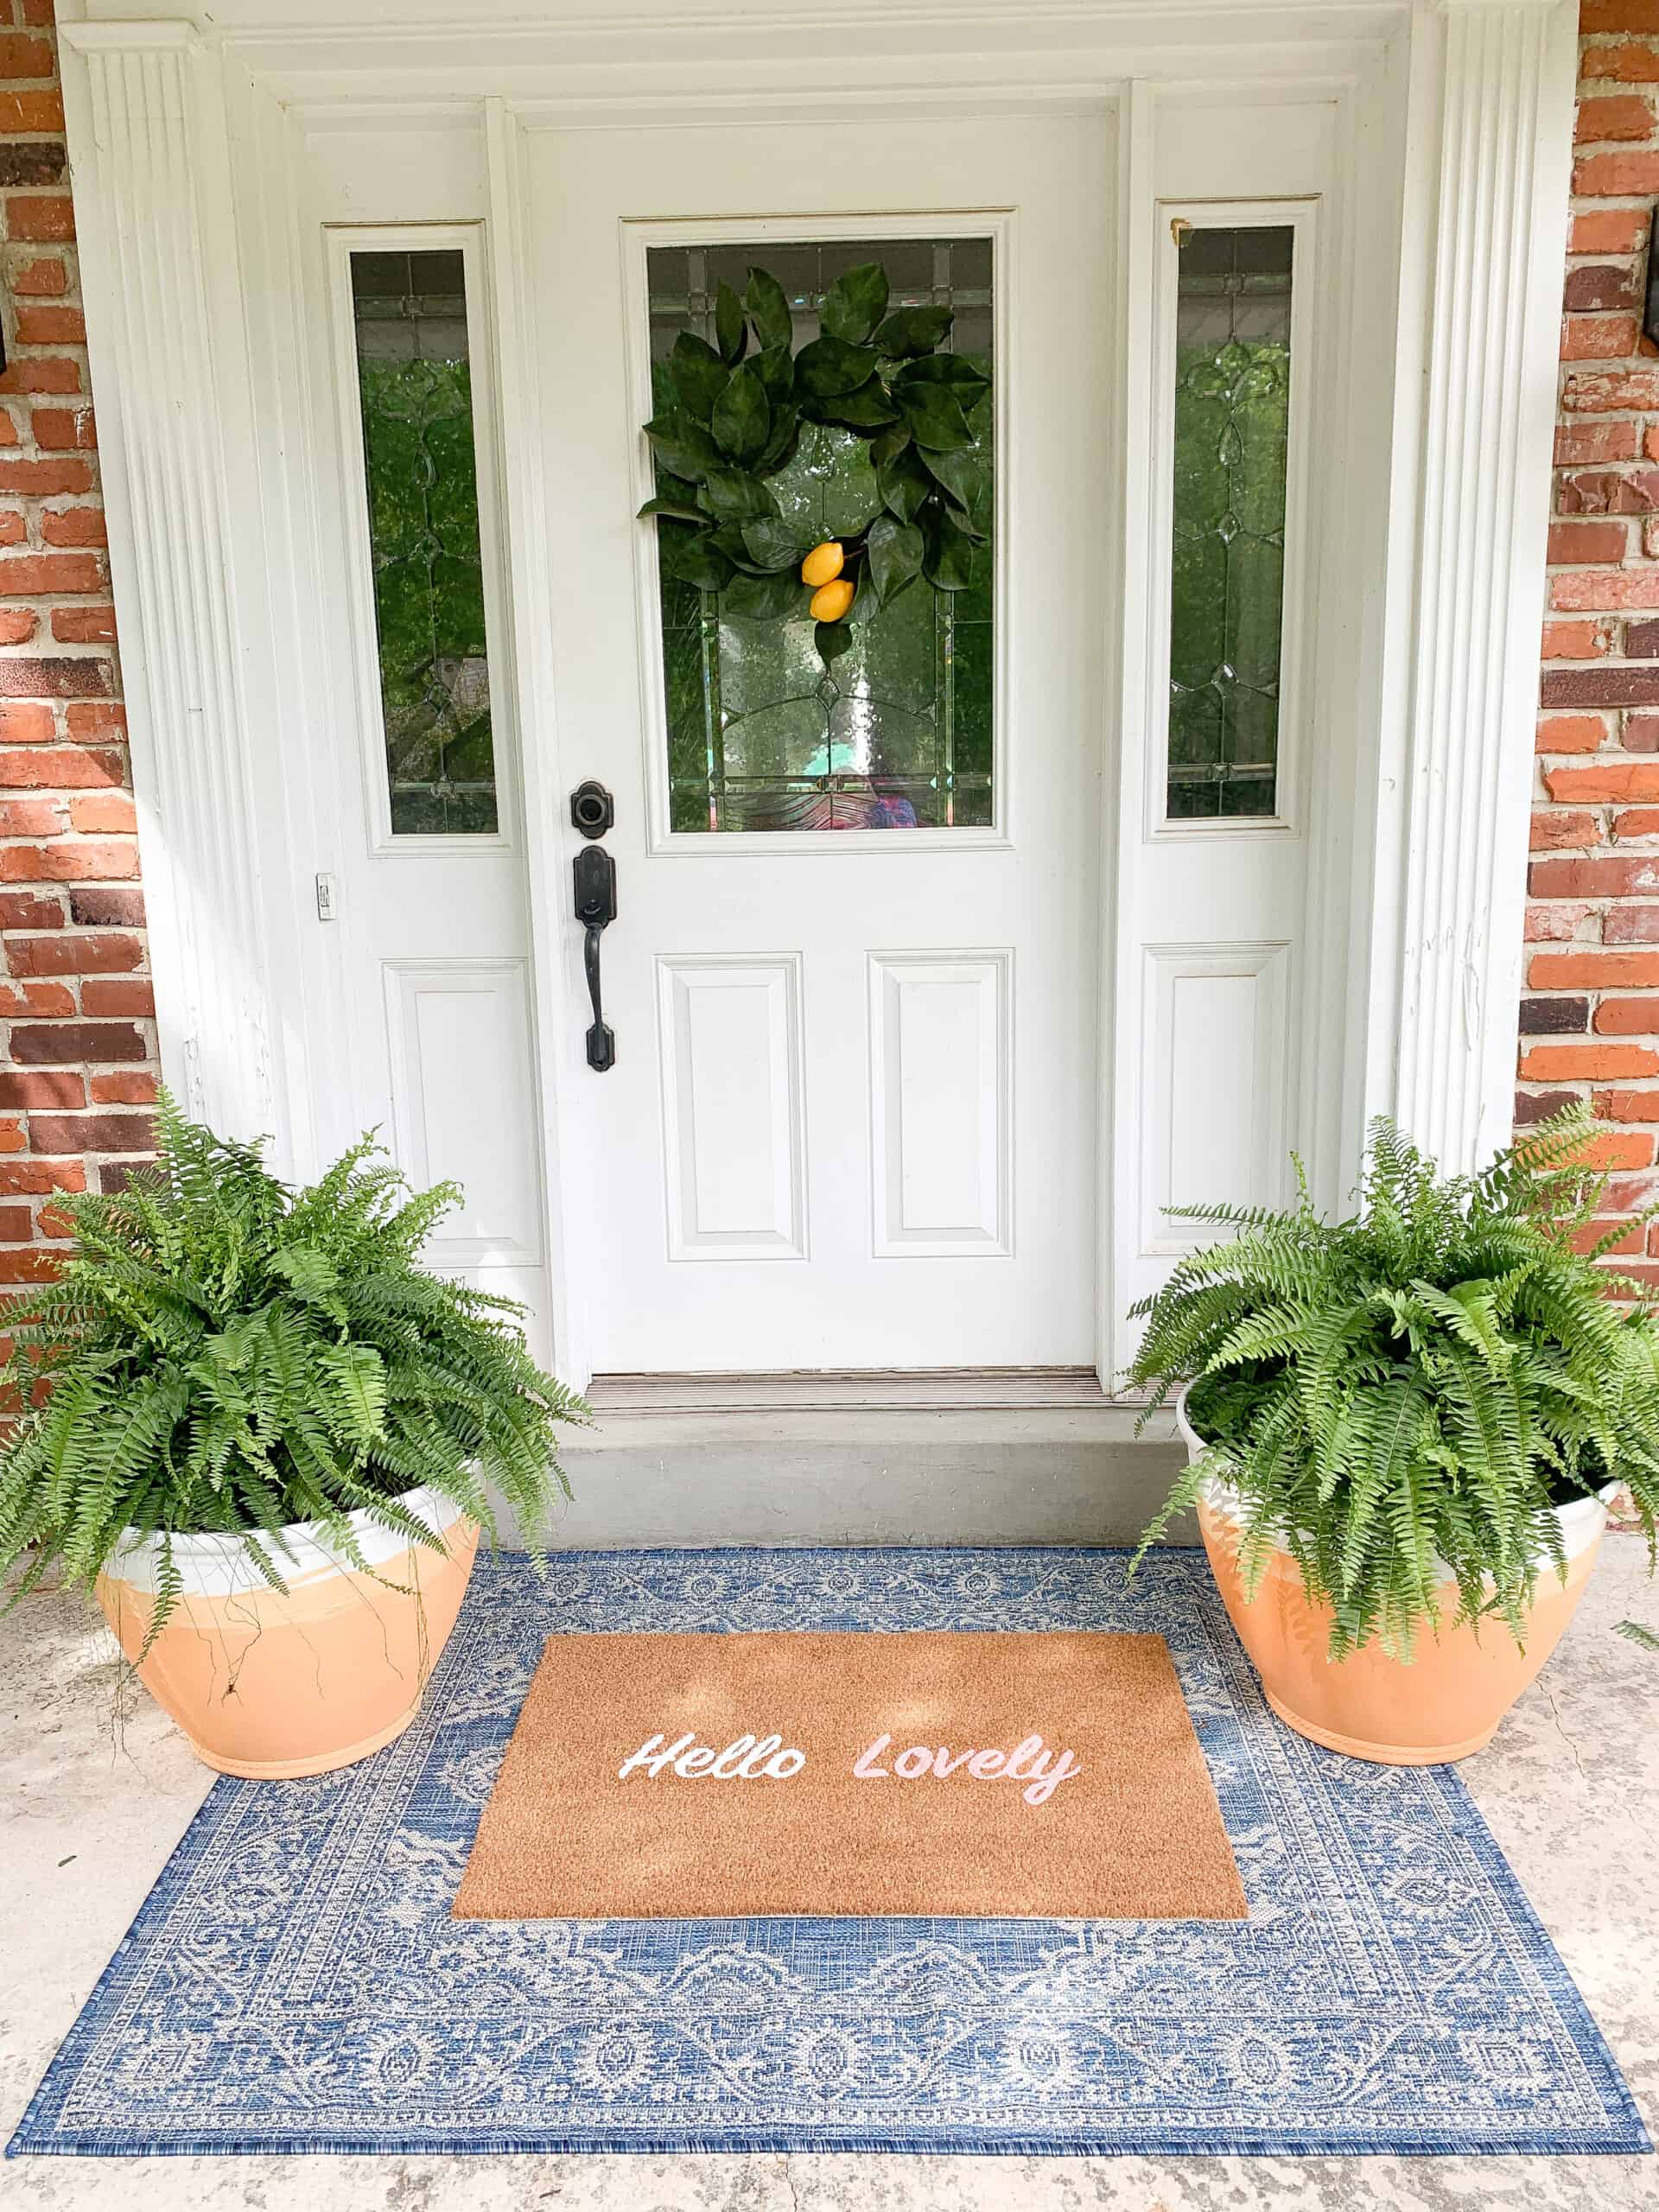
(1495, 251)
(145, 128)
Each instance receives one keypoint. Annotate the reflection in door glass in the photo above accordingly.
(896, 732)
(415, 383)
(1232, 417)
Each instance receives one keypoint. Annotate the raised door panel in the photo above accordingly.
(463, 1102)
(733, 1135)
(941, 1092)
(1212, 1076)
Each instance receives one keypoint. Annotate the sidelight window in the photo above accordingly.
(414, 373)
(1232, 371)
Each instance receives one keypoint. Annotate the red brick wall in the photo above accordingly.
(77, 1042)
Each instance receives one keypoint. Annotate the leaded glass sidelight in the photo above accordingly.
(415, 386)
(896, 732)
(1232, 417)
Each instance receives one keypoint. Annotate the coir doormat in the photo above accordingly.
(295, 1981)
(1047, 1774)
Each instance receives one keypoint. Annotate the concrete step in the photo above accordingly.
(822, 1460)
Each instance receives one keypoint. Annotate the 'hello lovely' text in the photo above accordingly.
(755, 1759)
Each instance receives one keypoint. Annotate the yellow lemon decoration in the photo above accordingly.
(822, 566)
(832, 600)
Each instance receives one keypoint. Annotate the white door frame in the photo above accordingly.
(1456, 116)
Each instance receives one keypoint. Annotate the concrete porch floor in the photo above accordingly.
(1570, 1788)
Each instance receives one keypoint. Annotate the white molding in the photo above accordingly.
(1448, 916)
(677, 974)
(148, 138)
(1263, 1087)
(704, 64)
(991, 1100)
(401, 982)
(531, 673)
(1130, 659)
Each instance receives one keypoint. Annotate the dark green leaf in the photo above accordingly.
(888, 446)
(894, 551)
(911, 330)
(828, 367)
(947, 563)
(851, 502)
(856, 302)
(964, 377)
(867, 409)
(905, 485)
(675, 497)
(832, 639)
(773, 542)
(768, 306)
(729, 540)
(742, 421)
(763, 599)
(680, 509)
(731, 334)
(779, 448)
(964, 476)
(684, 447)
(867, 601)
(697, 374)
(700, 562)
(775, 366)
(935, 418)
(733, 495)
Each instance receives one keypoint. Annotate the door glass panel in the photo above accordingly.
(896, 732)
(415, 386)
(1232, 417)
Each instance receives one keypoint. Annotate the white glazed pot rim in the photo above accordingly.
(213, 1564)
(1582, 1519)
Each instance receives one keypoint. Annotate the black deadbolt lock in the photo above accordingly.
(592, 808)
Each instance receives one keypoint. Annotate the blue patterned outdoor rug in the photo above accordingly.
(294, 1982)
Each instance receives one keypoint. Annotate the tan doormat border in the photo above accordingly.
(1045, 1776)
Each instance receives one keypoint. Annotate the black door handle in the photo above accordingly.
(595, 880)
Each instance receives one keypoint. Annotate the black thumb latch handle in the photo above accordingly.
(595, 882)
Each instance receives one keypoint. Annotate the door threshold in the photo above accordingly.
(934, 1389)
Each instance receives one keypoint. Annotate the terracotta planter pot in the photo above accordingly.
(265, 1685)
(1446, 1704)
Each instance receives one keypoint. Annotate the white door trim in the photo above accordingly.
(158, 255)
(1415, 920)
(1492, 99)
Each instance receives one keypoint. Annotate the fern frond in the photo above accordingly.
(1403, 1397)
(223, 1353)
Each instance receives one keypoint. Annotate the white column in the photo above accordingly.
(1495, 240)
(152, 204)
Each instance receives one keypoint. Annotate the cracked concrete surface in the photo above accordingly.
(1570, 1786)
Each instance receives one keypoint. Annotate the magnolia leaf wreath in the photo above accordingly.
(739, 408)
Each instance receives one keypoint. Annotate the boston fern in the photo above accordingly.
(1399, 1399)
(225, 1354)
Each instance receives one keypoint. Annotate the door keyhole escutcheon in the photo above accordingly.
(595, 872)
(593, 810)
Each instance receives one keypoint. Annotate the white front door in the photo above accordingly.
(851, 1120)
